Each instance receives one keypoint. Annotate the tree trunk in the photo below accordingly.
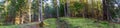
(106, 13)
(29, 9)
(66, 8)
(40, 13)
(86, 8)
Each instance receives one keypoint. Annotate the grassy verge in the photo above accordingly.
(50, 23)
(82, 23)
(73, 23)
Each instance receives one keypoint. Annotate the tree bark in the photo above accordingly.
(66, 8)
(40, 14)
(106, 13)
(29, 9)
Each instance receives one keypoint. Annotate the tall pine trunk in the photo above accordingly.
(106, 13)
(40, 14)
(66, 8)
(29, 9)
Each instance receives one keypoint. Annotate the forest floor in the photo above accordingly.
(27, 25)
(81, 23)
(72, 23)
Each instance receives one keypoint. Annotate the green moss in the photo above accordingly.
(74, 23)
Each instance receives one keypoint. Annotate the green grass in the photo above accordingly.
(28, 25)
(74, 23)
(51, 23)
(82, 23)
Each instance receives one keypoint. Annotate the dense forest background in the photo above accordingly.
(28, 11)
